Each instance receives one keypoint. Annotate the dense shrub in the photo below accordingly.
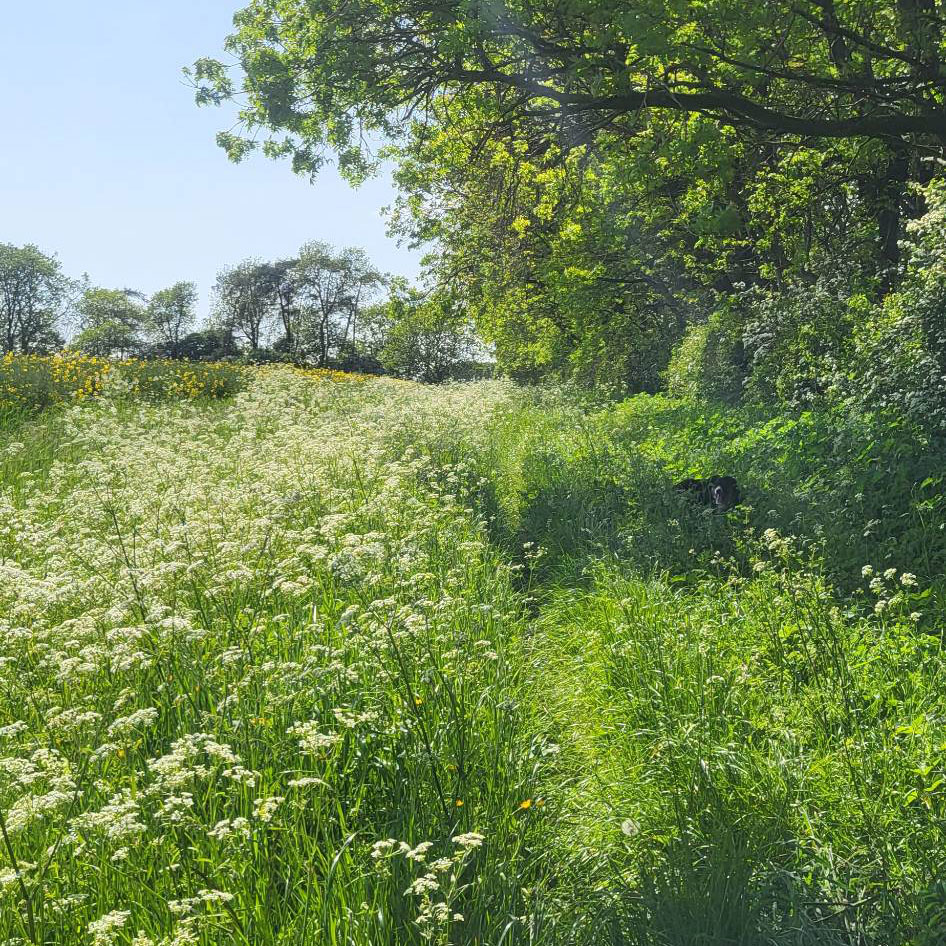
(900, 354)
(210, 344)
(831, 340)
(853, 488)
(798, 341)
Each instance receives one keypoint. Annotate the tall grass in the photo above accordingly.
(363, 662)
(750, 717)
(237, 656)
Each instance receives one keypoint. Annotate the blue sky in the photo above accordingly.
(106, 161)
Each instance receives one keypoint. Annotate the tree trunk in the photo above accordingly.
(889, 203)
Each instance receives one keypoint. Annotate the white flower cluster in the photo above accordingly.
(440, 885)
(893, 595)
(211, 616)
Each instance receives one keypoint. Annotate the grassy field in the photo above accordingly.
(345, 661)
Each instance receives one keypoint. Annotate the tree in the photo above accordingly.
(247, 300)
(110, 322)
(584, 268)
(209, 344)
(331, 288)
(424, 337)
(170, 315)
(283, 275)
(33, 297)
(592, 178)
(788, 70)
(107, 340)
(814, 68)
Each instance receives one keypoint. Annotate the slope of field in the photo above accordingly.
(357, 662)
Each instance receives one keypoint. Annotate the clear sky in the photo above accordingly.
(106, 161)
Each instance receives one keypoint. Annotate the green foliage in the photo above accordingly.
(469, 608)
(331, 288)
(111, 322)
(598, 65)
(245, 300)
(899, 364)
(107, 339)
(423, 337)
(34, 293)
(210, 344)
(709, 362)
(593, 181)
(310, 306)
(834, 480)
(170, 314)
(825, 342)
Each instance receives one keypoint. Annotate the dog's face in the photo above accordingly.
(725, 492)
(719, 492)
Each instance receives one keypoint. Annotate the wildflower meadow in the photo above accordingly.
(357, 661)
(556, 559)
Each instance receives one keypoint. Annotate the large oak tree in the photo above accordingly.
(323, 72)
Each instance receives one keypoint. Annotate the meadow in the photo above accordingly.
(289, 658)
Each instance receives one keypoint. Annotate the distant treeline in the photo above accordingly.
(324, 307)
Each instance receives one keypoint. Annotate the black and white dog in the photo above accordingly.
(719, 492)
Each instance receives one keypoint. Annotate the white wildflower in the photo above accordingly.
(105, 929)
(424, 884)
(468, 841)
(265, 808)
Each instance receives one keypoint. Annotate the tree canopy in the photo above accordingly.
(110, 322)
(170, 314)
(34, 294)
(320, 73)
(590, 178)
(309, 305)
